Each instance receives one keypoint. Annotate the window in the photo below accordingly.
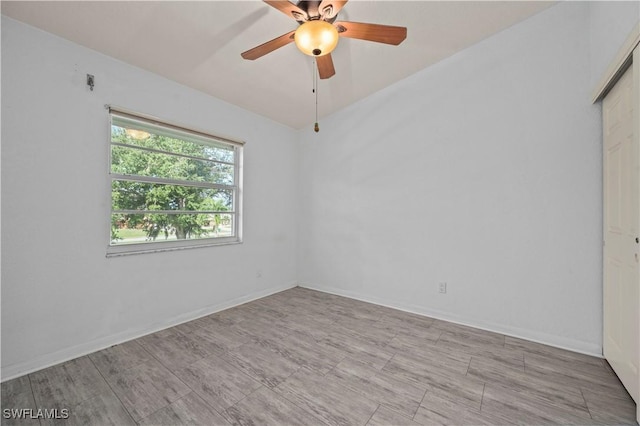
(171, 187)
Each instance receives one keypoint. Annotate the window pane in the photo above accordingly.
(133, 161)
(161, 142)
(171, 184)
(154, 228)
(126, 195)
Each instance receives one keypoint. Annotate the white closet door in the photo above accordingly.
(621, 221)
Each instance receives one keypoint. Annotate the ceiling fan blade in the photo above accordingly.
(289, 9)
(372, 32)
(325, 66)
(334, 7)
(269, 46)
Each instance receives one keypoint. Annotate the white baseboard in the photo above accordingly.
(20, 369)
(573, 345)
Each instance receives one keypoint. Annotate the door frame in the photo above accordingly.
(623, 59)
(628, 56)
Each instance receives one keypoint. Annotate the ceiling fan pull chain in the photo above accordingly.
(313, 77)
(316, 128)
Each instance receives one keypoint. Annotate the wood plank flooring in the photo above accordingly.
(302, 357)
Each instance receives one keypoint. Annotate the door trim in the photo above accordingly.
(636, 135)
(618, 66)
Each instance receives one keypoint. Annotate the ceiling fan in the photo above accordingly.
(319, 31)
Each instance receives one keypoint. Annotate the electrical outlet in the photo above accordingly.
(443, 288)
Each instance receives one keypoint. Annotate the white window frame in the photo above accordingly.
(151, 247)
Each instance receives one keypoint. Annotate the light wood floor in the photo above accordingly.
(305, 357)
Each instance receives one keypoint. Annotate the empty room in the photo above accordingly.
(320, 212)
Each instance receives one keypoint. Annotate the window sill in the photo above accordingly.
(131, 249)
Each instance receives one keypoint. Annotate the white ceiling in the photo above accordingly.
(199, 43)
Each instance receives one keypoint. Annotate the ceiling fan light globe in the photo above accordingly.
(316, 36)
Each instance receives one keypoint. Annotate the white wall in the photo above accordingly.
(483, 171)
(611, 23)
(60, 296)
